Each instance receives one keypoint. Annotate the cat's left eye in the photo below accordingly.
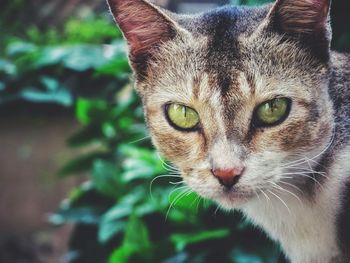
(182, 117)
(272, 112)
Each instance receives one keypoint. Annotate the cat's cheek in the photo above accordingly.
(180, 149)
(304, 136)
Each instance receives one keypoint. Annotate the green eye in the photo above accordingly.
(272, 112)
(182, 117)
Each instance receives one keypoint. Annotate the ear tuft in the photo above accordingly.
(144, 26)
(301, 16)
(305, 21)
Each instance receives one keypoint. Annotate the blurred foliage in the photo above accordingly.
(58, 67)
(133, 208)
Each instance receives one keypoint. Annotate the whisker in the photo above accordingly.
(279, 198)
(177, 183)
(194, 201)
(166, 165)
(139, 140)
(309, 176)
(176, 189)
(291, 185)
(198, 203)
(295, 173)
(309, 171)
(257, 195)
(176, 199)
(280, 188)
(266, 196)
(302, 160)
(158, 177)
(216, 210)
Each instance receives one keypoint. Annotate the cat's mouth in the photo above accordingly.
(237, 195)
(234, 196)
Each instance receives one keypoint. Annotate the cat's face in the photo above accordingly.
(240, 109)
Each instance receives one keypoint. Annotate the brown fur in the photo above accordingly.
(312, 15)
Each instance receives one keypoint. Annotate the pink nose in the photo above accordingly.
(228, 177)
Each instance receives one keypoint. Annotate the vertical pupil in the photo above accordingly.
(184, 111)
(273, 105)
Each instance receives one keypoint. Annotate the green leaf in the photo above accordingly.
(122, 254)
(92, 30)
(51, 84)
(183, 240)
(140, 163)
(117, 67)
(108, 229)
(61, 96)
(85, 215)
(136, 234)
(137, 169)
(113, 222)
(107, 178)
(123, 208)
(20, 48)
(88, 111)
(84, 57)
(133, 203)
(136, 241)
(7, 67)
(109, 130)
(75, 57)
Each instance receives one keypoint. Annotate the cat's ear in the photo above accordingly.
(144, 26)
(307, 20)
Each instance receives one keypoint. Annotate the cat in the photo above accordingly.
(252, 106)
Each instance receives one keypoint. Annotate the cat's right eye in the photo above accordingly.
(182, 117)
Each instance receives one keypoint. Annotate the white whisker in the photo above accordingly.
(158, 177)
(279, 198)
(291, 185)
(139, 140)
(177, 198)
(303, 159)
(217, 209)
(280, 188)
(266, 196)
(167, 166)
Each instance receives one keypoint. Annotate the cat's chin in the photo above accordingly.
(233, 199)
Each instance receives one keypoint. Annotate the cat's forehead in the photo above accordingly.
(226, 59)
(226, 23)
(222, 28)
(188, 71)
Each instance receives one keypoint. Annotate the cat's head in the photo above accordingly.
(236, 97)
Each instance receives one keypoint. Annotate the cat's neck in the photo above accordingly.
(307, 229)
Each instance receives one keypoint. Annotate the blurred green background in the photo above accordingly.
(64, 74)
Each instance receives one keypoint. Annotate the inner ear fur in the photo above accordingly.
(145, 28)
(301, 16)
(306, 21)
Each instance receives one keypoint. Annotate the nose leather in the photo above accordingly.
(228, 177)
